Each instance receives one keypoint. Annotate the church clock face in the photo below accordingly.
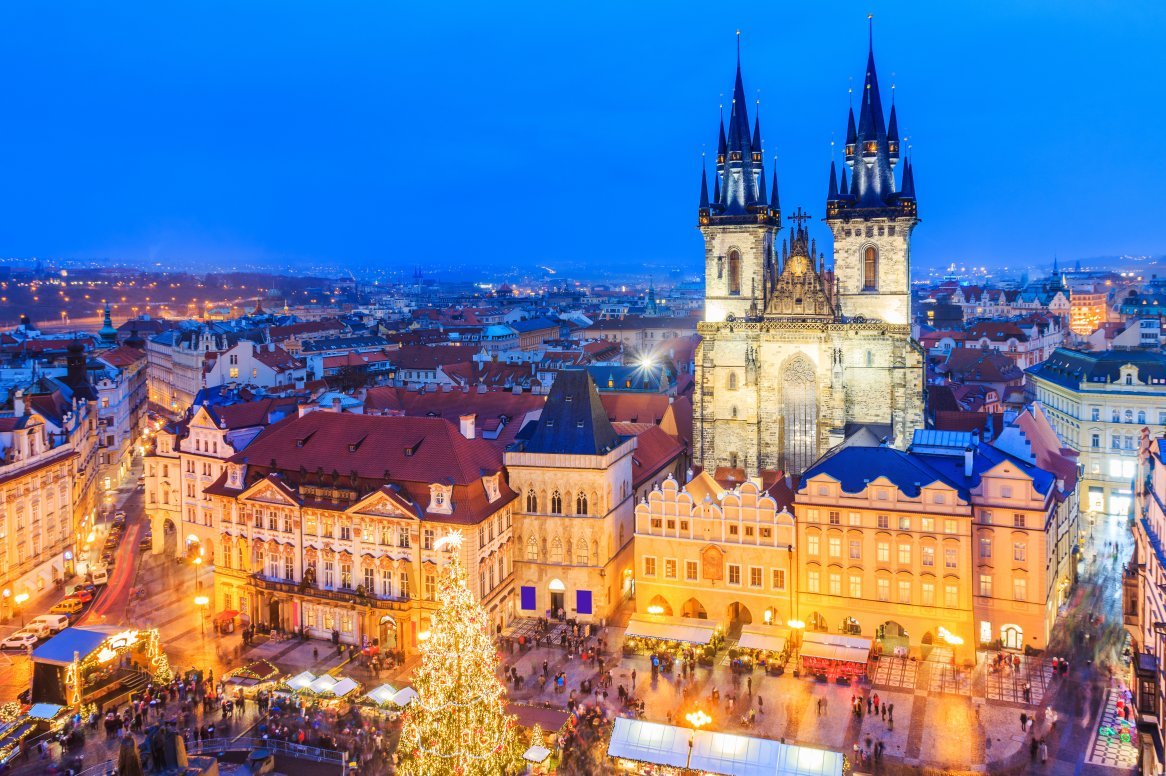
(798, 265)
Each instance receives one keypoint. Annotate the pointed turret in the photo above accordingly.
(717, 188)
(908, 191)
(756, 142)
(893, 133)
(832, 188)
(761, 190)
(722, 145)
(843, 186)
(774, 199)
(704, 189)
(851, 135)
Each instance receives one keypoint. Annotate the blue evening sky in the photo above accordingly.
(500, 135)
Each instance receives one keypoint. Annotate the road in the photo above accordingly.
(113, 599)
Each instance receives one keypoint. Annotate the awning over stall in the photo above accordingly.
(382, 695)
(81, 642)
(657, 626)
(840, 649)
(719, 753)
(768, 637)
(649, 742)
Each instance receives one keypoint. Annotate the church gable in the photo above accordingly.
(382, 504)
(270, 492)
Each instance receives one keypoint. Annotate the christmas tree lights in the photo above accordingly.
(457, 726)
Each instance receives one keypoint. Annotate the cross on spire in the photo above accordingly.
(799, 217)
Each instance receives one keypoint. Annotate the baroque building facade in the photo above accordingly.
(796, 357)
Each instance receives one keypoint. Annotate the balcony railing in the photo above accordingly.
(340, 596)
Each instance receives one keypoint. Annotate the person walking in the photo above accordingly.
(1044, 752)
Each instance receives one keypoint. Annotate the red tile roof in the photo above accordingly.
(123, 356)
(655, 450)
(408, 452)
(431, 356)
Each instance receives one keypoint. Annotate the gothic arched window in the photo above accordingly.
(531, 501)
(734, 272)
(800, 399)
(732, 381)
(870, 268)
(557, 551)
(581, 554)
(531, 549)
(556, 503)
(581, 504)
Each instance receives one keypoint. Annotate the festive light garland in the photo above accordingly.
(457, 726)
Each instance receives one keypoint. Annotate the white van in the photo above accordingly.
(100, 575)
(54, 623)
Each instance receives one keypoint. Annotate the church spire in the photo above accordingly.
(832, 190)
(739, 183)
(704, 187)
(872, 151)
(908, 191)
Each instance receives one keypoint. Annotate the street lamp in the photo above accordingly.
(20, 599)
(698, 719)
(7, 595)
(197, 567)
(202, 601)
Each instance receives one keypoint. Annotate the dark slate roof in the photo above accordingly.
(1069, 368)
(533, 324)
(856, 467)
(573, 421)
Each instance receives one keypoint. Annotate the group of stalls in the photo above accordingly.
(95, 664)
(644, 747)
(835, 656)
(325, 689)
(669, 638)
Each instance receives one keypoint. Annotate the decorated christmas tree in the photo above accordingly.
(457, 724)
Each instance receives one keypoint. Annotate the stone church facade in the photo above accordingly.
(795, 358)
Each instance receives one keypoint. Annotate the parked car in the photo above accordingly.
(119, 516)
(146, 542)
(84, 596)
(107, 559)
(22, 639)
(100, 576)
(53, 622)
(87, 587)
(67, 606)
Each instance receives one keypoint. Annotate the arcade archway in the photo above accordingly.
(693, 608)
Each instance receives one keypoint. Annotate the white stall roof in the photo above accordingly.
(736, 755)
(834, 646)
(323, 684)
(343, 687)
(301, 681)
(649, 742)
(770, 637)
(718, 753)
(382, 694)
(690, 630)
(836, 653)
(405, 696)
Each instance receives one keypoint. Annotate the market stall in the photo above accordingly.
(95, 664)
(670, 638)
(835, 656)
(324, 688)
(766, 646)
(224, 622)
(253, 677)
(647, 747)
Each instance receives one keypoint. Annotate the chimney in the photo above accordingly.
(467, 425)
(336, 404)
(18, 408)
(967, 462)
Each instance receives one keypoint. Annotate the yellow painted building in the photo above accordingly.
(708, 552)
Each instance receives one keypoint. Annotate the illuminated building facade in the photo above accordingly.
(794, 357)
(1098, 401)
(1088, 309)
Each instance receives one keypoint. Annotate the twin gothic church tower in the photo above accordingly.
(796, 358)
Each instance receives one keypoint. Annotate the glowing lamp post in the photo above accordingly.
(20, 599)
(202, 602)
(698, 719)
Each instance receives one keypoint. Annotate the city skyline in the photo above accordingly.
(292, 136)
